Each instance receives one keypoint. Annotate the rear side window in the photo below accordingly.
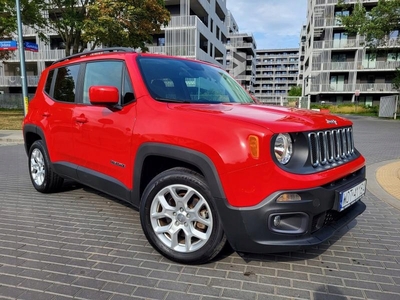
(48, 82)
(66, 83)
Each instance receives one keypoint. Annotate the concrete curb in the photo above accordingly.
(375, 188)
(11, 136)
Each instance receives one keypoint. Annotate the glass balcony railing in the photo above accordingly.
(16, 80)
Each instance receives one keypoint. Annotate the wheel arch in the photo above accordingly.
(31, 134)
(154, 158)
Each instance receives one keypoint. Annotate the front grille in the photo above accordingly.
(330, 146)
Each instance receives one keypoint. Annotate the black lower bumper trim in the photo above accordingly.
(251, 229)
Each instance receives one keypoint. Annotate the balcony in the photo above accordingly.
(16, 81)
(181, 22)
(379, 65)
(338, 66)
(338, 44)
(184, 50)
(350, 88)
(346, 1)
(375, 87)
(42, 55)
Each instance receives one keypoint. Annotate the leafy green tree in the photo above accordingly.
(295, 91)
(31, 15)
(129, 23)
(66, 17)
(375, 25)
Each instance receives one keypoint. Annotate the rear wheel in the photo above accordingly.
(42, 176)
(179, 217)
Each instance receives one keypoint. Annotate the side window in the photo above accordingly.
(66, 83)
(127, 90)
(102, 73)
(49, 79)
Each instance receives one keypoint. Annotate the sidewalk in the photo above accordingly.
(383, 178)
(11, 136)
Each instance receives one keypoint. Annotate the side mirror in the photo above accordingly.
(104, 95)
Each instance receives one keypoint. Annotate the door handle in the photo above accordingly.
(46, 114)
(81, 119)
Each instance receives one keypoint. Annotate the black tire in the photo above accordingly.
(43, 178)
(189, 229)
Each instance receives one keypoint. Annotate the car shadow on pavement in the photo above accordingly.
(70, 186)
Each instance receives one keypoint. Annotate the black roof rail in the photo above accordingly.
(100, 50)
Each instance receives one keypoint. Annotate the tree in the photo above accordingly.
(295, 91)
(67, 17)
(30, 11)
(129, 23)
(375, 25)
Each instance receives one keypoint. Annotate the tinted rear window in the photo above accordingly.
(66, 83)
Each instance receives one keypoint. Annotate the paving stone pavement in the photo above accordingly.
(81, 244)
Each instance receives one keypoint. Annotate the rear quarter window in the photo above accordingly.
(49, 80)
(66, 83)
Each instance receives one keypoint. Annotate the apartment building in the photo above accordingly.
(277, 72)
(197, 30)
(240, 55)
(337, 66)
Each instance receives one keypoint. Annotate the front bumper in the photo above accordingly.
(308, 222)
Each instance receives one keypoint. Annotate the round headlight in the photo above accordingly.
(283, 148)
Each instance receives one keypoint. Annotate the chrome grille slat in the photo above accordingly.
(330, 146)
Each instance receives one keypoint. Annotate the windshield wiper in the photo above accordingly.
(171, 100)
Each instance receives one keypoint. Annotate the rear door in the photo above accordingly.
(60, 100)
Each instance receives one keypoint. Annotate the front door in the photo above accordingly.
(106, 132)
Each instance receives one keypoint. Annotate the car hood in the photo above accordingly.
(274, 118)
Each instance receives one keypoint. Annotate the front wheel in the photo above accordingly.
(179, 217)
(42, 176)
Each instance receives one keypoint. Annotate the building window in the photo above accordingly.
(339, 57)
(161, 41)
(339, 39)
(337, 83)
(339, 14)
(369, 61)
(393, 56)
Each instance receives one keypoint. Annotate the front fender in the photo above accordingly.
(188, 156)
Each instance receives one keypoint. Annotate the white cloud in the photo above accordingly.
(274, 23)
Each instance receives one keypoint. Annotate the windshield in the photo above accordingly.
(178, 80)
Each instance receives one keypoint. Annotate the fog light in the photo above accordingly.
(290, 197)
(277, 221)
(289, 223)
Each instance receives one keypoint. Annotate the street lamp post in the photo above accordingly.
(305, 80)
(22, 58)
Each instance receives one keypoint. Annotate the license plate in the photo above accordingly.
(351, 195)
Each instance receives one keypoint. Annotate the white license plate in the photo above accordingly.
(352, 195)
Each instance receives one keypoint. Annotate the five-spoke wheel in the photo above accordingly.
(43, 178)
(179, 217)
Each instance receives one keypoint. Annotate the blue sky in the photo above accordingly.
(275, 24)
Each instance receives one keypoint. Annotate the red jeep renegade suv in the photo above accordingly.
(184, 143)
